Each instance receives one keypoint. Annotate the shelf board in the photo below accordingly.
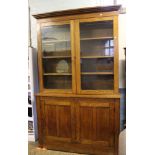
(55, 57)
(97, 73)
(89, 57)
(55, 41)
(54, 74)
(97, 38)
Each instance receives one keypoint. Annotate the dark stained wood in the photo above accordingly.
(117, 124)
(86, 117)
(51, 122)
(95, 121)
(65, 121)
(40, 125)
(58, 114)
(78, 11)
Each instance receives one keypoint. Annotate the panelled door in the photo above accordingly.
(59, 120)
(56, 54)
(95, 122)
(96, 55)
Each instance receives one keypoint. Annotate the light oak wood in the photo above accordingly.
(45, 24)
(74, 85)
(77, 42)
(47, 94)
(78, 56)
(97, 38)
(116, 55)
(59, 74)
(40, 69)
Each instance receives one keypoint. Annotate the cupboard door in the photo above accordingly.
(57, 57)
(96, 55)
(95, 122)
(59, 120)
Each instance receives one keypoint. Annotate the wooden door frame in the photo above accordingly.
(40, 63)
(78, 66)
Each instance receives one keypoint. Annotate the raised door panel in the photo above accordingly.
(59, 120)
(95, 120)
(50, 118)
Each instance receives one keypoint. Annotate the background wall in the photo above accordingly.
(40, 6)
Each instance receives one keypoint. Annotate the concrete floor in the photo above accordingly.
(34, 150)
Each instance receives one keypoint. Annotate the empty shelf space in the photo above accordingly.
(55, 57)
(54, 41)
(97, 73)
(55, 74)
(91, 57)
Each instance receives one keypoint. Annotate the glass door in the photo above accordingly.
(96, 56)
(57, 57)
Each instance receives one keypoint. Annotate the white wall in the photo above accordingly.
(42, 6)
(122, 44)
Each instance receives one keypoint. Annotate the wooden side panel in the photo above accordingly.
(40, 121)
(117, 124)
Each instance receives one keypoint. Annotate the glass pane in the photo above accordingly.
(97, 55)
(97, 65)
(97, 82)
(57, 65)
(56, 48)
(57, 82)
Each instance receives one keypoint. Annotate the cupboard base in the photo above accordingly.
(79, 125)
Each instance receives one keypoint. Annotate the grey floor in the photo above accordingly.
(34, 150)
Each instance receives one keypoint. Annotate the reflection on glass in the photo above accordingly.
(57, 65)
(56, 48)
(56, 40)
(97, 52)
(97, 82)
(57, 82)
(97, 65)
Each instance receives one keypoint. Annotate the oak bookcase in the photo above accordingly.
(78, 106)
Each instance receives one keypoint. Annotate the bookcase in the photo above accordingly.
(78, 103)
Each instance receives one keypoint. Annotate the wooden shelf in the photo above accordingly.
(54, 74)
(55, 57)
(97, 73)
(91, 57)
(54, 41)
(97, 38)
